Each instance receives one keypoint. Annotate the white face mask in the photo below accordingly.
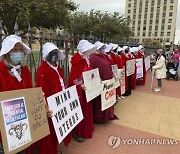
(16, 57)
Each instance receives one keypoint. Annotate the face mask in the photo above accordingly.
(52, 57)
(17, 57)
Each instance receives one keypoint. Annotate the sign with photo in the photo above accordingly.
(66, 110)
(92, 82)
(108, 96)
(23, 118)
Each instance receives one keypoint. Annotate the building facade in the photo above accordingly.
(152, 20)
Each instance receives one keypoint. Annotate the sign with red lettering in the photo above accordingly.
(23, 118)
(108, 95)
(67, 111)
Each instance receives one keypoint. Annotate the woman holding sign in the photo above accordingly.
(97, 60)
(50, 77)
(80, 64)
(13, 74)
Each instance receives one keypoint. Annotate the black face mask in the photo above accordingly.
(126, 51)
(52, 57)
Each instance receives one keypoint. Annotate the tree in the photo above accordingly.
(45, 13)
(101, 25)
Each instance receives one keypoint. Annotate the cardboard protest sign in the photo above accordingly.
(139, 66)
(67, 111)
(130, 67)
(121, 73)
(23, 118)
(92, 82)
(116, 76)
(108, 96)
(147, 62)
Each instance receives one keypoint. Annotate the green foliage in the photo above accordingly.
(101, 25)
(45, 13)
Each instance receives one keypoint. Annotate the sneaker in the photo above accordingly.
(118, 98)
(122, 97)
(157, 89)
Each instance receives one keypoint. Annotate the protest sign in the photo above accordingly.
(147, 62)
(92, 82)
(139, 66)
(121, 73)
(67, 111)
(108, 96)
(23, 118)
(130, 67)
(116, 76)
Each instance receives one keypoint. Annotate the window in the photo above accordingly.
(172, 1)
(139, 22)
(164, 14)
(157, 21)
(150, 21)
(155, 34)
(129, 5)
(170, 21)
(163, 20)
(144, 34)
(168, 33)
(144, 28)
(169, 26)
(139, 28)
(171, 7)
(129, 11)
(150, 27)
(162, 27)
(151, 15)
(167, 40)
(162, 33)
(156, 28)
(170, 14)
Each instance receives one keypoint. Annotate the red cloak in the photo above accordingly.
(9, 82)
(105, 72)
(86, 127)
(48, 79)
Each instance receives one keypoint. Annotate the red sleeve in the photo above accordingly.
(41, 81)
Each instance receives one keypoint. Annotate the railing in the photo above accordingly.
(66, 43)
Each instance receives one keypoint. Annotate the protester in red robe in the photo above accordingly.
(120, 63)
(13, 74)
(132, 56)
(140, 54)
(128, 79)
(80, 64)
(50, 77)
(97, 60)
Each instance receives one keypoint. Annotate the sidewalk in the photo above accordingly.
(143, 115)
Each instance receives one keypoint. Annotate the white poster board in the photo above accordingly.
(116, 75)
(108, 96)
(147, 63)
(130, 67)
(92, 82)
(67, 111)
(122, 80)
(139, 67)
